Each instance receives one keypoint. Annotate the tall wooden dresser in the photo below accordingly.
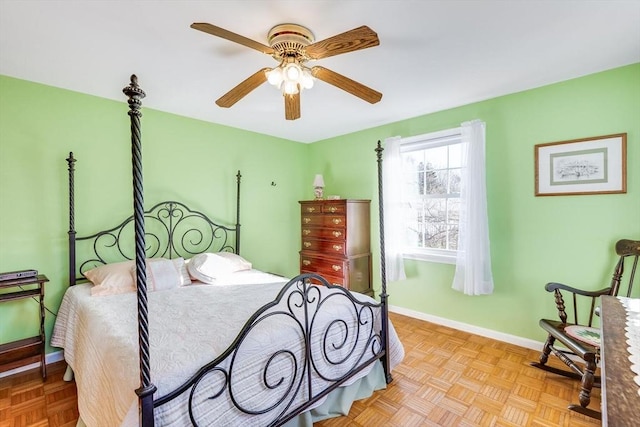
(336, 242)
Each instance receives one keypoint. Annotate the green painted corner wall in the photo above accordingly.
(183, 159)
(534, 240)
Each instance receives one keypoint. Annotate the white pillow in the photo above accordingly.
(207, 267)
(110, 279)
(238, 263)
(163, 274)
(181, 266)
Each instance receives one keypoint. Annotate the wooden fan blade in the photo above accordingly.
(292, 106)
(346, 84)
(243, 89)
(356, 39)
(237, 38)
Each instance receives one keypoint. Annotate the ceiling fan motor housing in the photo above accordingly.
(289, 39)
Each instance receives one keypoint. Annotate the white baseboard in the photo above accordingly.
(472, 329)
(50, 358)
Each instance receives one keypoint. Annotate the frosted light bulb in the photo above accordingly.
(275, 76)
(290, 88)
(307, 79)
(292, 72)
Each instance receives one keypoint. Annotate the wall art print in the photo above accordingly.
(596, 165)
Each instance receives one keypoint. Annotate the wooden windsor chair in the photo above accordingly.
(580, 341)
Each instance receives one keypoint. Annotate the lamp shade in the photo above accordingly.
(318, 181)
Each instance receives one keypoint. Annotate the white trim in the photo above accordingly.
(50, 358)
(465, 327)
(431, 139)
(430, 256)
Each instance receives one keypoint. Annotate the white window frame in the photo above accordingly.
(419, 142)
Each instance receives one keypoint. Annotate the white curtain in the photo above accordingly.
(393, 221)
(473, 264)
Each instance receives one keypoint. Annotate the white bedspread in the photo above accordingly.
(188, 327)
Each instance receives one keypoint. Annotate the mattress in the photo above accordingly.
(189, 327)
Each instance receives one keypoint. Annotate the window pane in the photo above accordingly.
(411, 185)
(435, 210)
(453, 206)
(437, 158)
(414, 220)
(436, 236)
(454, 180)
(455, 155)
(436, 181)
(453, 237)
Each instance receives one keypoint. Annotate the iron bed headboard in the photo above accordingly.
(172, 230)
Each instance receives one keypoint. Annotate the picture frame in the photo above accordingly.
(596, 165)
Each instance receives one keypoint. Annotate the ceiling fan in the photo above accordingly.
(293, 46)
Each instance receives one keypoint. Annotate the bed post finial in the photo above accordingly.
(146, 390)
(383, 272)
(135, 95)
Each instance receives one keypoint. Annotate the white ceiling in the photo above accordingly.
(433, 55)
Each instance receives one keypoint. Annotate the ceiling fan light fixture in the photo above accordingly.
(307, 79)
(290, 77)
(290, 87)
(274, 76)
(292, 72)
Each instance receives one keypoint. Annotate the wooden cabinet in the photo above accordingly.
(335, 242)
(27, 350)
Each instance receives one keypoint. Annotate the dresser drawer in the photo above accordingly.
(334, 267)
(326, 207)
(324, 220)
(311, 208)
(334, 208)
(323, 233)
(329, 247)
(338, 281)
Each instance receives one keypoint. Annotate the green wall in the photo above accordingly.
(183, 159)
(533, 239)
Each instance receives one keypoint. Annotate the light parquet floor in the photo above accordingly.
(447, 378)
(26, 400)
(453, 378)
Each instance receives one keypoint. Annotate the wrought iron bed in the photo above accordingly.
(168, 230)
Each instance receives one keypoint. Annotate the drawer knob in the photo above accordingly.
(337, 247)
(337, 233)
(306, 232)
(307, 244)
(337, 220)
(306, 220)
(306, 262)
(311, 209)
(332, 209)
(336, 267)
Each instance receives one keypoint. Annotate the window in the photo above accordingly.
(430, 194)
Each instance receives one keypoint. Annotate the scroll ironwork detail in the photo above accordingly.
(329, 336)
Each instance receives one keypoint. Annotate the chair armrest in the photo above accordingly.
(556, 288)
(552, 286)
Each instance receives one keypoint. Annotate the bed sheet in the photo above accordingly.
(188, 327)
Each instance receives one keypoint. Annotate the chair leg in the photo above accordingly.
(587, 384)
(546, 350)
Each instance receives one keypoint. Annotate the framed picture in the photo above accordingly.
(595, 165)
